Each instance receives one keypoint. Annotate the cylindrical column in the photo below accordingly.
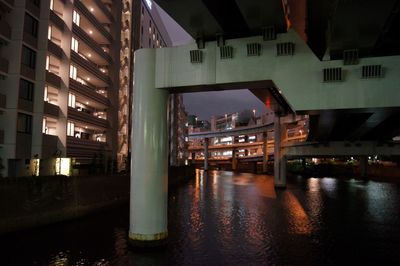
(265, 152)
(149, 171)
(279, 160)
(206, 154)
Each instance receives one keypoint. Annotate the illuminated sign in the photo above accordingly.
(149, 3)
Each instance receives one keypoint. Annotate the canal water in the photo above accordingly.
(226, 218)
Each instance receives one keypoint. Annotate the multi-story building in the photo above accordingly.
(59, 87)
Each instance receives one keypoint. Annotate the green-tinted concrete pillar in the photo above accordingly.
(149, 171)
(279, 157)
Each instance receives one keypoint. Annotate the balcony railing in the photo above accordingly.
(3, 101)
(31, 7)
(89, 66)
(54, 49)
(3, 65)
(5, 29)
(86, 91)
(77, 147)
(51, 109)
(53, 79)
(57, 21)
(86, 118)
(81, 34)
(25, 105)
(7, 5)
(85, 12)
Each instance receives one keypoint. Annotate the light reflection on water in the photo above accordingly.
(224, 218)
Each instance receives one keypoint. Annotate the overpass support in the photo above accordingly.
(364, 166)
(206, 154)
(279, 155)
(149, 171)
(234, 160)
(265, 152)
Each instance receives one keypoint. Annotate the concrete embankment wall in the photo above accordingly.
(32, 201)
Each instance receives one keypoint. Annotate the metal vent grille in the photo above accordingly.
(286, 48)
(196, 56)
(226, 52)
(333, 74)
(371, 71)
(350, 57)
(269, 33)
(253, 49)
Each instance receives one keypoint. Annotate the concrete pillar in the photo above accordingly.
(234, 160)
(149, 171)
(265, 152)
(193, 158)
(206, 154)
(364, 166)
(279, 158)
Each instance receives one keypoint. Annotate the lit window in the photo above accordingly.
(76, 18)
(44, 128)
(46, 93)
(72, 72)
(51, 4)
(74, 44)
(70, 129)
(71, 100)
(49, 33)
(47, 62)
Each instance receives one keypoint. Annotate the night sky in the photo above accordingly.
(206, 104)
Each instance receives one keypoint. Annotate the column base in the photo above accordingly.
(148, 241)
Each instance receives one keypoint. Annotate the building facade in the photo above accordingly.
(59, 83)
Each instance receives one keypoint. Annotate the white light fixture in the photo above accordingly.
(87, 79)
(90, 32)
(90, 55)
(91, 9)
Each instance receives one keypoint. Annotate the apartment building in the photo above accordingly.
(59, 83)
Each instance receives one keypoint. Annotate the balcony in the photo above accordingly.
(49, 145)
(87, 92)
(104, 9)
(81, 34)
(83, 147)
(5, 30)
(53, 79)
(57, 21)
(3, 65)
(89, 66)
(24, 146)
(51, 109)
(54, 49)
(3, 101)
(92, 19)
(86, 118)
(29, 39)
(31, 7)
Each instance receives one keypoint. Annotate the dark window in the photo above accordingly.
(24, 123)
(149, 43)
(26, 90)
(31, 25)
(150, 23)
(28, 57)
(142, 30)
